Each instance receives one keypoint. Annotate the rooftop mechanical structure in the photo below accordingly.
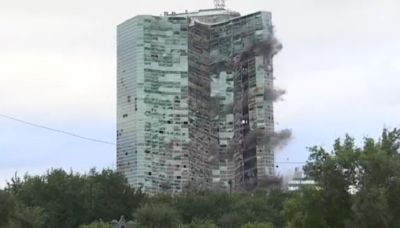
(219, 4)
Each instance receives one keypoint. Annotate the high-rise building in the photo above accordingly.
(193, 106)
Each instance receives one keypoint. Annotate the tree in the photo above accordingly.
(377, 202)
(109, 196)
(262, 207)
(258, 225)
(203, 206)
(200, 224)
(28, 217)
(71, 199)
(356, 186)
(328, 205)
(305, 209)
(7, 205)
(157, 215)
(97, 224)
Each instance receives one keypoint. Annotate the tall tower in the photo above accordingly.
(191, 110)
(152, 109)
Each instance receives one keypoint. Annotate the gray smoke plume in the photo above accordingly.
(272, 94)
(267, 48)
(278, 140)
(251, 137)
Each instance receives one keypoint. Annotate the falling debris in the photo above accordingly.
(251, 137)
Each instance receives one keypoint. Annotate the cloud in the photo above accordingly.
(57, 85)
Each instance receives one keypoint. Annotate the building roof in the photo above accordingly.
(202, 12)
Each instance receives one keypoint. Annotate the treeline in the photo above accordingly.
(356, 186)
(66, 199)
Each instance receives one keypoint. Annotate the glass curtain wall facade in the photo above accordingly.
(192, 111)
(152, 131)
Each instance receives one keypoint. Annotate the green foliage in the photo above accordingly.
(232, 210)
(305, 209)
(110, 196)
(97, 224)
(157, 215)
(377, 202)
(203, 206)
(258, 225)
(71, 199)
(6, 207)
(200, 224)
(28, 217)
(356, 186)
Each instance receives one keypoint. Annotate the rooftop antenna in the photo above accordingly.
(219, 4)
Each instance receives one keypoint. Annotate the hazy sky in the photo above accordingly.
(340, 65)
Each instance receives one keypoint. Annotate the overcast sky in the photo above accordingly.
(340, 66)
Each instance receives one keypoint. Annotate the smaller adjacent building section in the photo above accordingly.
(298, 180)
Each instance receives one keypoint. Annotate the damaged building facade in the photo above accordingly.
(195, 100)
